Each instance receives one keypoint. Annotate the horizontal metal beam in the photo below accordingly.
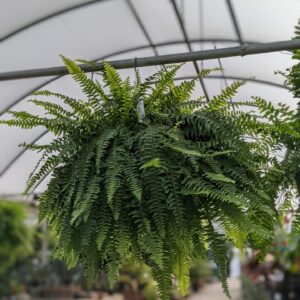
(123, 51)
(163, 59)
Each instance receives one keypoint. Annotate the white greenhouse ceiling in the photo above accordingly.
(34, 33)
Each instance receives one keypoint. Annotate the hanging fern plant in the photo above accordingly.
(161, 188)
(290, 183)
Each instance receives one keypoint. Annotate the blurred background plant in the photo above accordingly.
(201, 273)
(279, 274)
(16, 240)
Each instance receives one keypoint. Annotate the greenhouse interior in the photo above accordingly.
(150, 149)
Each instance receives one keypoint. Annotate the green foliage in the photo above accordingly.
(289, 176)
(154, 188)
(15, 237)
(136, 278)
(293, 76)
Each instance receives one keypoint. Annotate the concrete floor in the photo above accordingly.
(211, 291)
(214, 291)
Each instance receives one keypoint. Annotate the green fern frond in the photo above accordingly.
(114, 172)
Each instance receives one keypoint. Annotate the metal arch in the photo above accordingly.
(241, 78)
(237, 31)
(142, 26)
(223, 72)
(50, 16)
(11, 162)
(19, 99)
(175, 42)
(187, 41)
(235, 21)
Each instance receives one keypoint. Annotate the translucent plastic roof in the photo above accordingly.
(35, 32)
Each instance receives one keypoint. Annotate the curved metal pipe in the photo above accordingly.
(48, 17)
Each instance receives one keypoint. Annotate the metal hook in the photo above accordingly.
(140, 103)
(135, 63)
